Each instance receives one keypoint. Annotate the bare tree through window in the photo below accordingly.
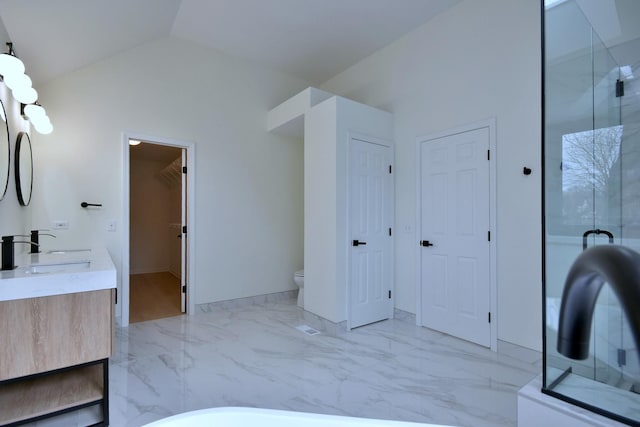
(590, 169)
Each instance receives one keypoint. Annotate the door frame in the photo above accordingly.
(389, 144)
(190, 203)
(493, 283)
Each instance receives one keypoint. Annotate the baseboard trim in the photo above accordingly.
(247, 301)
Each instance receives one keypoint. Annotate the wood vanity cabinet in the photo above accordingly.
(54, 355)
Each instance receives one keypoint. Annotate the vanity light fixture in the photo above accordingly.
(135, 142)
(14, 77)
(12, 70)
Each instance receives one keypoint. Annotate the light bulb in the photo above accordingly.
(25, 95)
(10, 65)
(32, 111)
(17, 81)
(40, 120)
(43, 126)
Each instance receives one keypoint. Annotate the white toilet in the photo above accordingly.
(298, 278)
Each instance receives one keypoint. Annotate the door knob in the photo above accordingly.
(358, 243)
(425, 243)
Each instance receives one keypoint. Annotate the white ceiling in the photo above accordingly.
(311, 39)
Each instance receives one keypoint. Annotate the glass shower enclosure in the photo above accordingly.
(591, 188)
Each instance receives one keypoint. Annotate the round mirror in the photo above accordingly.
(24, 168)
(4, 152)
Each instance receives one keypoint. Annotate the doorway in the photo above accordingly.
(456, 220)
(155, 230)
(157, 199)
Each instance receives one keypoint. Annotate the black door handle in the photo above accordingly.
(425, 243)
(358, 243)
(597, 231)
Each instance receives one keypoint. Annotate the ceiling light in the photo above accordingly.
(134, 142)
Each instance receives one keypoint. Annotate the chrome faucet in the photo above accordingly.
(616, 265)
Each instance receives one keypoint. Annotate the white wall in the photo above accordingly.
(248, 201)
(320, 210)
(328, 129)
(14, 219)
(476, 61)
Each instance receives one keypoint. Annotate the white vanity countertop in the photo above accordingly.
(58, 273)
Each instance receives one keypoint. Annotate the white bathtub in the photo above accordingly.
(245, 417)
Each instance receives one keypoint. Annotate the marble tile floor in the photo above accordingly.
(254, 356)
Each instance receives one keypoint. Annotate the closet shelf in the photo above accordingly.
(172, 173)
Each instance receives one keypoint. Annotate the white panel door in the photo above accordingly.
(370, 208)
(454, 224)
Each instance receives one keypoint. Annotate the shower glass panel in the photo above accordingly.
(591, 189)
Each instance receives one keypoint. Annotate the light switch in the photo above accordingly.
(60, 225)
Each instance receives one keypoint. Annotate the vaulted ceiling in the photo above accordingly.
(311, 39)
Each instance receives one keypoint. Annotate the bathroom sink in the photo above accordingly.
(68, 251)
(60, 261)
(64, 267)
